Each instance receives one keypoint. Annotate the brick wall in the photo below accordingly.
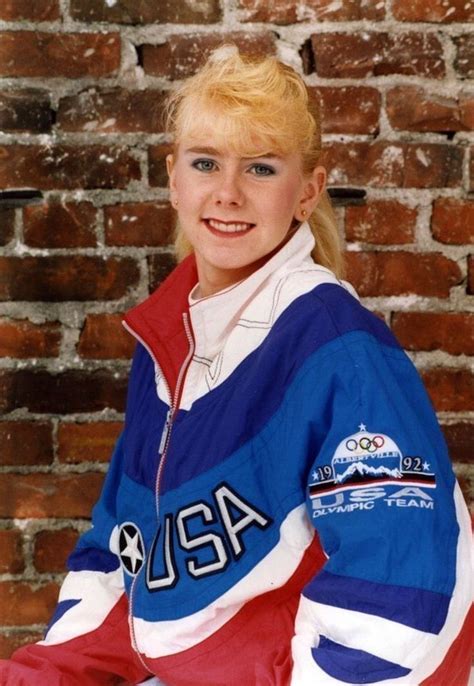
(81, 90)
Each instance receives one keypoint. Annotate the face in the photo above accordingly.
(237, 211)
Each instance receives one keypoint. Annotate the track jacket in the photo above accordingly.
(280, 508)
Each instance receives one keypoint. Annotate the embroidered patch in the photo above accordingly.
(131, 548)
(367, 466)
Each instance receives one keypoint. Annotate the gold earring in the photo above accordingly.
(175, 203)
(304, 213)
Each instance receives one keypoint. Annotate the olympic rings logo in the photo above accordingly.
(365, 443)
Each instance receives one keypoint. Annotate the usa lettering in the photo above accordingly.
(230, 512)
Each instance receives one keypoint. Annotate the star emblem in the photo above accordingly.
(362, 427)
(131, 548)
(426, 466)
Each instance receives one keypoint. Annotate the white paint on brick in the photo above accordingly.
(391, 160)
(90, 125)
(198, 5)
(420, 155)
(106, 158)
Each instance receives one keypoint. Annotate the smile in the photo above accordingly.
(228, 227)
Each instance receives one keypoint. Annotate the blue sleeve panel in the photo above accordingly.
(382, 481)
(380, 495)
(422, 610)
(354, 666)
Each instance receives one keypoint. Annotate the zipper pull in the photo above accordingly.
(166, 430)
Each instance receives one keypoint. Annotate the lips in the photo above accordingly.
(228, 227)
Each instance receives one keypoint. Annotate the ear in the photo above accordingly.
(313, 186)
(171, 172)
(170, 168)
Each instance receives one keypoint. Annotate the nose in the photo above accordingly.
(228, 191)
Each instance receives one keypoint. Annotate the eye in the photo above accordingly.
(204, 165)
(262, 170)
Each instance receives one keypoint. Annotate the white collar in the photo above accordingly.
(213, 317)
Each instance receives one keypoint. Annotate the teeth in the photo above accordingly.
(228, 228)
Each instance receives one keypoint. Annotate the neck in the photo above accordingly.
(212, 280)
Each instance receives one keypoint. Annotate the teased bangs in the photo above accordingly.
(240, 130)
(252, 107)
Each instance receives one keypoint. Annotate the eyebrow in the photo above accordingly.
(208, 150)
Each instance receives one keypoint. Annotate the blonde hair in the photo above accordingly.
(255, 106)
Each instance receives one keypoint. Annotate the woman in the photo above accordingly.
(280, 507)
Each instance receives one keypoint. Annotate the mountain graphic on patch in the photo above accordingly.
(366, 455)
(362, 469)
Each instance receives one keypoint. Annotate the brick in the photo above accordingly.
(464, 60)
(147, 11)
(145, 223)
(39, 10)
(470, 275)
(402, 273)
(159, 266)
(61, 278)
(64, 393)
(69, 55)
(112, 110)
(466, 109)
(22, 604)
(48, 495)
(459, 439)
(452, 332)
(103, 337)
(433, 10)
(158, 176)
(386, 222)
(452, 221)
(66, 167)
(7, 224)
(23, 339)
(9, 642)
(182, 55)
(411, 108)
(350, 109)
(356, 55)
(394, 165)
(60, 225)
(451, 390)
(26, 443)
(52, 548)
(289, 12)
(11, 559)
(25, 111)
(87, 442)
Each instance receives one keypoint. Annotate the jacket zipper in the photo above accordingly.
(162, 449)
(165, 436)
